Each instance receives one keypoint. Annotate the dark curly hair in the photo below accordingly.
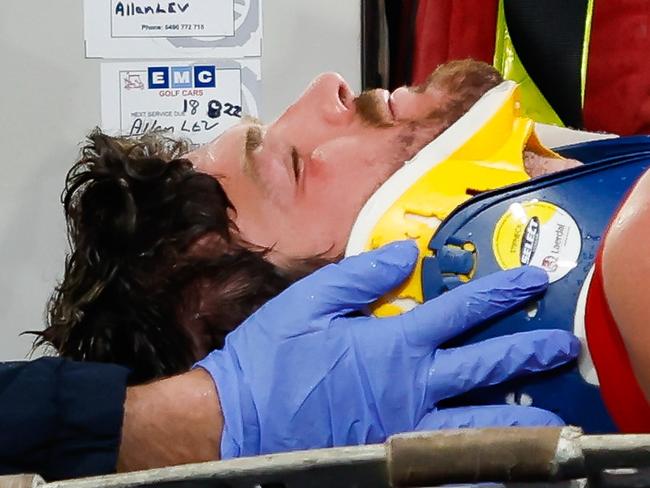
(156, 276)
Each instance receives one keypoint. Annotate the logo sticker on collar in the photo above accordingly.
(540, 234)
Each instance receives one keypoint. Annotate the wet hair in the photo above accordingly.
(155, 276)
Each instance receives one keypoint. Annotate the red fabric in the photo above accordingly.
(450, 29)
(617, 92)
(618, 386)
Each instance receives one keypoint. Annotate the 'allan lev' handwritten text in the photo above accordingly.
(128, 9)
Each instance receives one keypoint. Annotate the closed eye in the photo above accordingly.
(295, 161)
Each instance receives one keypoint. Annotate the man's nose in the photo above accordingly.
(329, 98)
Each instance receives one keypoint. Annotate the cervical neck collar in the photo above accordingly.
(482, 151)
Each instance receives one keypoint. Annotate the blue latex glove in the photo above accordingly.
(306, 372)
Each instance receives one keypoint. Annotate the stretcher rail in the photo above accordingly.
(540, 457)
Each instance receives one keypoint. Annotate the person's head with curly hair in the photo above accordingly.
(156, 274)
(171, 248)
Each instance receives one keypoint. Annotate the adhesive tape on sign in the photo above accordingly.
(540, 234)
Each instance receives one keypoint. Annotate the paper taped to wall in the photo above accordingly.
(130, 29)
(196, 101)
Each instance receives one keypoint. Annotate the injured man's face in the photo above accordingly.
(297, 184)
(158, 274)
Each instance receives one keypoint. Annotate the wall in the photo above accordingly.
(50, 99)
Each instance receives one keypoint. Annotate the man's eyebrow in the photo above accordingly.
(252, 141)
(253, 138)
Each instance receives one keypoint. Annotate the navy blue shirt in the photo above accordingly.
(60, 419)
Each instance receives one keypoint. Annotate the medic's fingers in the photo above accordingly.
(472, 304)
(357, 281)
(493, 361)
(488, 416)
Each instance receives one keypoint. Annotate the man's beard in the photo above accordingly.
(447, 94)
(453, 87)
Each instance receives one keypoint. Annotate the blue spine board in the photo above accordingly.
(591, 194)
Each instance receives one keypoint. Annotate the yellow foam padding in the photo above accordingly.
(491, 158)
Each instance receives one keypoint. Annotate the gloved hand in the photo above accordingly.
(306, 371)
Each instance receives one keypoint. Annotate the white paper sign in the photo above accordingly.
(196, 101)
(147, 18)
(199, 29)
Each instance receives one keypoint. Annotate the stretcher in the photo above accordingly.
(539, 457)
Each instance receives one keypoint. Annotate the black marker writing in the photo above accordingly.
(232, 110)
(128, 9)
(199, 126)
(214, 109)
(192, 105)
(140, 127)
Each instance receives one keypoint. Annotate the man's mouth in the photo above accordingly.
(390, 105)
(387, 102)
(373, 106)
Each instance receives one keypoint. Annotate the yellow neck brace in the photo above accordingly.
(482, 151)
